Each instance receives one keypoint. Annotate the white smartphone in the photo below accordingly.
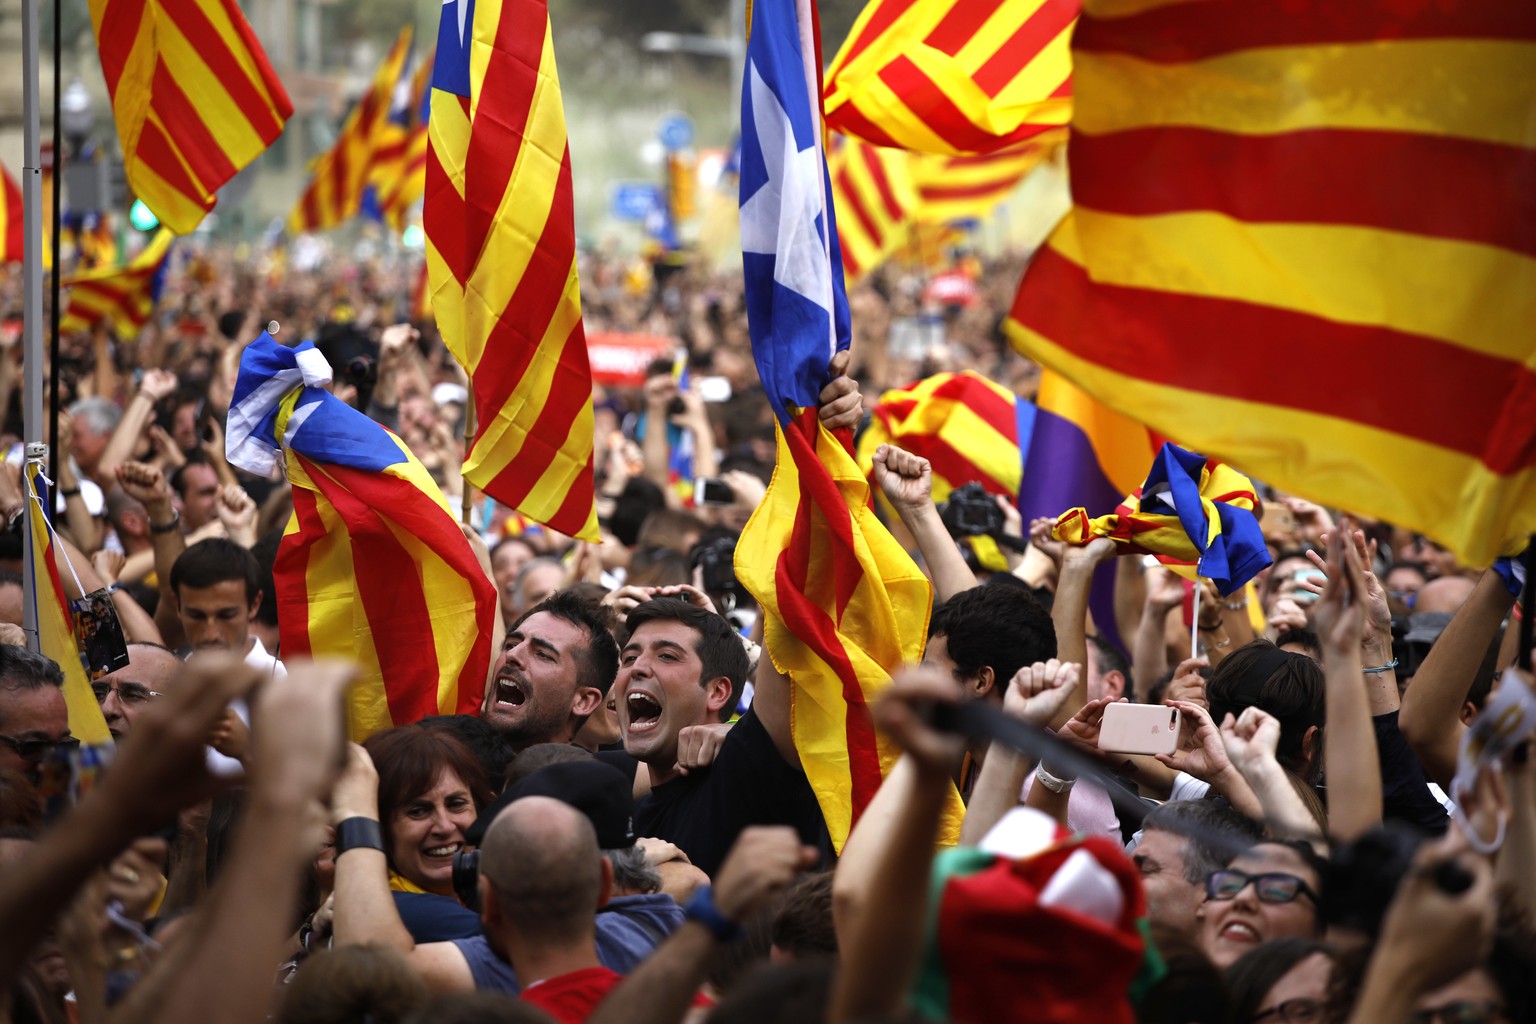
(1139, 729)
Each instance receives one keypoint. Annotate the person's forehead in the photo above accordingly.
(148, 666)
(1166, 848)
(36, 710)
(651, 634)
(542, 574)
(221, 593)
(1269, 857)
(551, 629)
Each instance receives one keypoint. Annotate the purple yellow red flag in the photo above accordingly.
(193, 95)
(941, 77)
(843, 604)
(1323, 268)
(1196, 514)
(55, 624)
(372, 566)
(335, 190)
(11, 213)
(122, 297)
(501, 254)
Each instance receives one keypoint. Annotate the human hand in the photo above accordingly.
(1038, 692)
(693, 417)
(1165, 590)
(356, 792)
(160, 767)
(625, 599)
(145, 484)
(1429, 935)
(231, 737)
(587, 563)
(1378, 613)
(12, 635)
(237, 511)
(659, 851)
(1200, 752)
(660, 389)
(905, 479)
(299, 737)
(134, 877)
(395, 342)
(212, 441)
(166, 448)
(1251, 740)
(1340, 612)
(1312, 520)
(1286, 614)
(1082, 729)
(684, 592)
(157, 385)
(901, 714)
(762, 863)
(107, 565)
(841, 404)
(1211, 603)
(746, 489)
(1090, 555)
(1041, 537)
(1188, 684)
(697, 745)
(66, 438)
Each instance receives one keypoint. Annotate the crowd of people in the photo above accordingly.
(625, 831)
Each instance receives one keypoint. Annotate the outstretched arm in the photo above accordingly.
(907, 482)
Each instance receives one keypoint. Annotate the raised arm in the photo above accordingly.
(147, 485)
(1431, 716)
(907, 482)
(1069, 613)
(156, 385)
(1349, 742)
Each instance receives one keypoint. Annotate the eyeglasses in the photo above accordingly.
(1292, 1011)
(37, 750)
(131, 694)
(1271, 887)
(1461, 1013)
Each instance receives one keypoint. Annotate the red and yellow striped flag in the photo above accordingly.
(335, 190)
(873, 194)
(953, 188)
(399, 173)
(501, 252)
(193, 96)
(55, 624)
(123, 297)
(943, 77)
(11, 214)
(1302, 244)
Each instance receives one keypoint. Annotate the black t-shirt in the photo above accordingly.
(749, 783)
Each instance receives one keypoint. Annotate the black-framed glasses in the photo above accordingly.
(37, 750)
(131, 694)
(1270, 887)
(1464, 1012)
(1293, 1011)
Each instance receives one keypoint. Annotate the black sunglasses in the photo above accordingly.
(36, 750)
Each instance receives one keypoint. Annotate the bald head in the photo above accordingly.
(1446, 594)
(545, 871)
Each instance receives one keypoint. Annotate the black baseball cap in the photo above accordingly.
(598, 790)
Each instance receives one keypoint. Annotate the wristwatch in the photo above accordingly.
(701, 908)
(1052, 782)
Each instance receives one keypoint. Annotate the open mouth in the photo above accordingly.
(510, 692)
(1237, 931)
(447, 850)
(644, 711)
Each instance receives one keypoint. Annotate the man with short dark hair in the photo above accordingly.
(34, 720)
(680, 668)
(984, 635)
(555, 669)
(216, 585)
(197, 488)
(1182, 842)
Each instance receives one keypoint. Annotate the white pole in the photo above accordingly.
(32, 287)
(1194, 624)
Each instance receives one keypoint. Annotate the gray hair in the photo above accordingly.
(24, 670)
(632, 873)
(101, 415)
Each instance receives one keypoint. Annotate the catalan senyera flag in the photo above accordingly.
(501, 254)
(843, 604)
(372, 566)
(193, 96)
(123, 297)
(955, 188)
(874, 195)
(1193, 511)
(11, 214)
(1302, 244)
(335, 190)
(399, 174)
(55, 624)
(941, 77)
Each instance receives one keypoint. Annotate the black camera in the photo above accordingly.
(466, 878)
(971, 512)
(717, 561)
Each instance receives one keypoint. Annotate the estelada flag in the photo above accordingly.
(372, 565)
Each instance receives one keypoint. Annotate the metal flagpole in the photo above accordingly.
(32, 285)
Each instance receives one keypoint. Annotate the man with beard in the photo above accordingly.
(555, 669)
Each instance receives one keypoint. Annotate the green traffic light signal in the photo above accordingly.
(142, 217)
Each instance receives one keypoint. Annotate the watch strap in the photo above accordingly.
(701, 908)
(359, 833)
